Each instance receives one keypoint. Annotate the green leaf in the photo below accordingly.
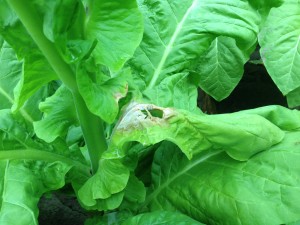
(10, 72)
(263, 190)
(222, 67)
(240, 135)
(59, 115)
(112, 218)
(265, 6)
(101, 92)
(13, 31)
(134, 194)
(36, 73)
(63, 19)
(13, 134)
(280, 46)
(104, 190)
(161, 218)
(293, 98)
(177, 90)
(64, 25)
(22, 184)
(178, 33)
(117, 26)
(295, 223)
(284, 118)
(18, 141)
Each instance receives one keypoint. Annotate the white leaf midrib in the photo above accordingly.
(169, 47)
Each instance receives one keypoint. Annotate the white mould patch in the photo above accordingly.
(139, 115)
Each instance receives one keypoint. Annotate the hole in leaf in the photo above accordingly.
(153, 112)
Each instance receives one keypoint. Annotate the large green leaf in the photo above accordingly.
(215, 189)
(177, 33)
(21, 186)
(240, 135)
(157, 217)
(117, 26)
(186, 35)
(279, 40)
(59, 114)
(222, 67)
(161, 218)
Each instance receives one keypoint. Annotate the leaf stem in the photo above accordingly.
(91, 125)
(33, 154)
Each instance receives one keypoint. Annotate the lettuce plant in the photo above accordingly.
(102, 95)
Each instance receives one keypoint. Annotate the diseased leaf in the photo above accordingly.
(59, 115)
(280, 49)
(263, 190)
(240, 135)
(22, 185)
(222, 67)
(161, 218)
(101, 92)
(117, 26)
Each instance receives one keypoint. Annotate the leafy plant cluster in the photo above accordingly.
(102, 95)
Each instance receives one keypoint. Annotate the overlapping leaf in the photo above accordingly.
(9, 75)
(161, 218)
(59, 114)
(222, 67)
(177, 33)
(22, 185)
(177, 90)
(101, 92)
(117, 26)
(104, 191)
(215, 189)
(280, 46)
(36, 71)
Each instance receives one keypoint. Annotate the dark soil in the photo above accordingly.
(61, 209)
